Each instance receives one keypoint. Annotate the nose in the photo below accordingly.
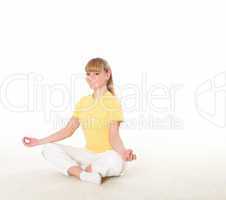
(91, 77)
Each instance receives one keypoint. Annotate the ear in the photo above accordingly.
(108, 74)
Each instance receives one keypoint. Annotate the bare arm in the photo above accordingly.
(115, 139)
(117, 143)
(63, 133)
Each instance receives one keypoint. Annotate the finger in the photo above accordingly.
(130, 153)
(130, 157)
(27, 140)
(24, 140)
(134, 157)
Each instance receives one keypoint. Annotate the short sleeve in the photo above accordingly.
(114, 110)
(77, 110)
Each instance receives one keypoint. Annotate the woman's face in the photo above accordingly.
(97, 79)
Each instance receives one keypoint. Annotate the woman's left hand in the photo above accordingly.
(128, 155)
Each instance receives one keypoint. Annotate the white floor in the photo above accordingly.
(164, 170)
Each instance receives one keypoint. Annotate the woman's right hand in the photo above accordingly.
(30, 142)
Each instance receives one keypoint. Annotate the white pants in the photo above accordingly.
(62, 157)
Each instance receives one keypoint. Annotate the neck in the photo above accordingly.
(97, 93)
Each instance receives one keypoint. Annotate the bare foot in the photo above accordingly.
(88, 169)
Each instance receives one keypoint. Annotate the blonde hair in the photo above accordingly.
(98, 65)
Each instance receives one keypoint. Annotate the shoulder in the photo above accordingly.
(111, 101)
(84, 100)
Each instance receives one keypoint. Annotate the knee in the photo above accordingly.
(115, 163)
(48, 148)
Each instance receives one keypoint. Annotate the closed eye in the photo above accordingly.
(96, 73)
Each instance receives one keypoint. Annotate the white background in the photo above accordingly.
(178, 43)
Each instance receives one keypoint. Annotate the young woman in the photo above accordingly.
(99, 115)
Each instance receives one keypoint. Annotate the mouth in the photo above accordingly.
(93, 82)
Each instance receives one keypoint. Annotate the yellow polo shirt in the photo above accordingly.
(94, 116)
